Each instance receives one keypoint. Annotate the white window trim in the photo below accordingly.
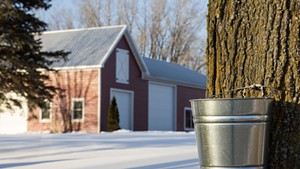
(50, 116)
(126, 81)
(185, 128)
(83, 108)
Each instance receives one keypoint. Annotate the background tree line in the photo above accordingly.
(162, 29)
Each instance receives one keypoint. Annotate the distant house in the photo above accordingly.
(104, 62)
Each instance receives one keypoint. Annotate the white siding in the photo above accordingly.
(14, 121)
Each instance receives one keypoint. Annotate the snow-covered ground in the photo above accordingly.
(121, 149)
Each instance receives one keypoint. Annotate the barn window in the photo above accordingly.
(77, 109)
(188, 119)
(45, 113)
(122, 66)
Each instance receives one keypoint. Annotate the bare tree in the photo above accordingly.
(127, 13)
(142, 30)
(184, 34)
(90, 13)
(69, 20)
(197, 58)
(157, 31)
(61, 19)
(108, 12)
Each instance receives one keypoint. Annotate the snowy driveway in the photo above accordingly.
(130, 150)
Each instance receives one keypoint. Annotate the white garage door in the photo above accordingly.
(125, 106)
(13, 122)
(161, 107)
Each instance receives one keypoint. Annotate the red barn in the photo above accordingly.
(104, 62)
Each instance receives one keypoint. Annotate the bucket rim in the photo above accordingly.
(228, 99)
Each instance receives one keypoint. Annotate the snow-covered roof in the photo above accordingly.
(88, 47)
(165, 71)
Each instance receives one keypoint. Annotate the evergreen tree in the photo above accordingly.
(113, 116)
(23, 64)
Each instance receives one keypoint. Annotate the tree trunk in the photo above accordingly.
(258, 42)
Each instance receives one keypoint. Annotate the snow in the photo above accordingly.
(121, 149)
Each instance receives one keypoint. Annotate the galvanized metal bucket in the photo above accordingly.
(232, 133)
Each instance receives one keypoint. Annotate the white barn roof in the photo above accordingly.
(88, 47)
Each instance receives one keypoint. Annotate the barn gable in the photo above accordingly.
(90, 48)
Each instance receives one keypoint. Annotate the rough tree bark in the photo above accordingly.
(90, 13)
(258, 42)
